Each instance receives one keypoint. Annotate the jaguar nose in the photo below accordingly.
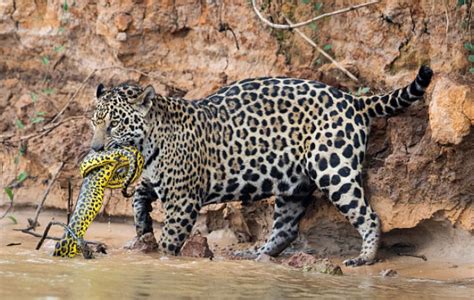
(97, 148)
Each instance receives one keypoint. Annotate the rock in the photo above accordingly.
(388, 273)
(196, 246)
(122, 21)
(300, 260)
(222, 237)
(5, 95)
(451, 111)
(265, 258)
(309, 263)
(121, 37)
(324, 266)
(146, 243)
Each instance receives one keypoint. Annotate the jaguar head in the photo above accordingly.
(120, 115)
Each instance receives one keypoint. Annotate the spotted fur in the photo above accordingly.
(116, 168)
(250, 140)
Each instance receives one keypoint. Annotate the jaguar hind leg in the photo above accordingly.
(345, 191)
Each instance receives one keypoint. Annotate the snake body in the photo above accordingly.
(116, 168)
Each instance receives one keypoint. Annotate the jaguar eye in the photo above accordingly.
(114, 123)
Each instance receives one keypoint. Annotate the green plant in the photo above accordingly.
(21, 152)
(362, 91)
(13, 219)
(9, 193)
(58, 48)
(34, 97)
(48, 91)
(19, 124)
(22, 176)
(38, 117)
(45, 60)
(65, 6)
(10, 196)
(318, 6)
(470, 48)
(327, 47)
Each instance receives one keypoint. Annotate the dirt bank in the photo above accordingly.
(419, 164)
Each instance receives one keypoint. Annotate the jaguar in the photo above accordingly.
(250, 140)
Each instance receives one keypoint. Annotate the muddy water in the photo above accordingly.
(26, 273)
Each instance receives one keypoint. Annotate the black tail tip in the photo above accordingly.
(425, 73)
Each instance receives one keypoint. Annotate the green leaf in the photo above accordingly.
(471, 70)
(327, 47)
(13, 219)
(22, 177)
(48, 91)
(37, 120)
(313, 26)
(362, 91)
(16, 160)
(22, 150)
(9, 193)
(471, 58)
(461, 2)
(318, 6)
(469, 47)
(45, 60)
(58, 48)
(65, 6)
(305, 1)
(19, 124)
(61, 29)
(40, 113)
(34, 97)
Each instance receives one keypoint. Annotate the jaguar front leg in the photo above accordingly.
(143, 197)
(181, 215)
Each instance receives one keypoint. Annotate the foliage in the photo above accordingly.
(9, 193)
(13, 219)
(470, 48)
(362, 91)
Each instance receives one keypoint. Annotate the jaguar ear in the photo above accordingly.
(100, 90)
(144, 101)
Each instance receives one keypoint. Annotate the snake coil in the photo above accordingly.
(117, 168)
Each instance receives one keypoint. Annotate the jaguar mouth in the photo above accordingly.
(112, 145)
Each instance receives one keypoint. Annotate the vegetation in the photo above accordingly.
(470, 48)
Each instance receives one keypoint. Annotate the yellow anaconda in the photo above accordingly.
(116, 168)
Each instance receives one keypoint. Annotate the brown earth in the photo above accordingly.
(419, 166)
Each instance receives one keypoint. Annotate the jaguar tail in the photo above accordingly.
(394, 102)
